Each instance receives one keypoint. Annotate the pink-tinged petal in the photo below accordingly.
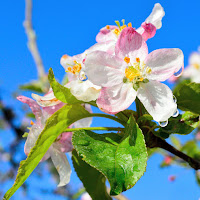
(108, 46)
(164, 63)
(84, 90)
(66, 61)
(131, 44)
(33, 106)
(47, 100)
(61, 164)
(52, 109)
(117, 98)
(106, 34)
(65, 141)
(157, 98)
(32, 138)
(104, 69)
(173, 79)
(156, 16)
(149, 31)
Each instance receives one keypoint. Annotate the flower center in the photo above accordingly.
(75, 69)
(196, 66)
(136, 72)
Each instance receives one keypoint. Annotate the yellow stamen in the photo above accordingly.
(148, 70)
(196, 66)
(129, 24)
(127, 60)
(137, 59)
(69, 69)
(141, 79)
(122, 27)
(116, 31)
(108, 27)
(131, 73)
(64, 56)
(76, 68)
(31, 123)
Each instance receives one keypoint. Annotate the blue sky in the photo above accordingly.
(70, 27)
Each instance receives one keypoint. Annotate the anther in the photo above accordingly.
(127, 60)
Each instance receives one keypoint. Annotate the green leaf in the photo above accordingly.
(125, 115)
(92, 179)
(176, 142)
(34, 86)
(55, 125)
(62, 93)
(192, 149)
(183, 124)
(122, 161)
(188, 97)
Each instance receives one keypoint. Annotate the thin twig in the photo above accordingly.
(32, 45)
(158, 142)
(192, 162)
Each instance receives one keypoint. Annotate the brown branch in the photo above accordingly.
(158, 142)
(32, 45)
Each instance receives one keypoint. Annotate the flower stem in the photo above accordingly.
(94, 128)
(138, 107)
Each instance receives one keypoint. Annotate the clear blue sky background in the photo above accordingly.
(70, 27)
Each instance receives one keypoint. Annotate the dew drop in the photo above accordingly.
(176, 113)
(174, 99)
(82, 76)
(163, 123)
(179, 72)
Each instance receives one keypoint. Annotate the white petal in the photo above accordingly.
(157, 98)
(108, 47)
(164, 63)
(84, 90)
(117, 98)
(61, 164)
(156, 16)
(104, 69)
(47, 100)
(31, 140)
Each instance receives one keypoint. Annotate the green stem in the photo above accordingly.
(94, 128)
(92, 103)
(138, 107)
(109, 117)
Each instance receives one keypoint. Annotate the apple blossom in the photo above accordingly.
(79, 84)
(63, 143)
(147, 29)
(57, 149)
(51, 104)
(133, 72)
(193, 70)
